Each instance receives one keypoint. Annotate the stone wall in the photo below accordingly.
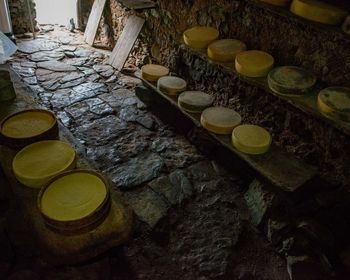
(291, 40)
(20, 16)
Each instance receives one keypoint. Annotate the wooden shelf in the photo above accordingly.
(306, 103)
(278, 167)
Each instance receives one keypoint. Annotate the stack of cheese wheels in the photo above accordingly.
(281, 3)
(251, 139)
(194, 101)
(29, 126)
(335, 102)
(75, 202)
(225, 50)
(318, 11)
(291, 80)
(220, 120)
(199, 37)
(254, 63)
(152, 72)
(171, 85)
(37, 163)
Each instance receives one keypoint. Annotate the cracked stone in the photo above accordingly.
(104, 156)
(46, 56)
(64, 118)
(203, 171)
(99, 68)
(30, 80)
(148, 206)
(56, 66)
(83, 53)
(146, 122)
(52, 76)
(72, 83)
(136, 171)
(128, 114)
(112, 79)
(120, 98)
(107, 74)
(71, 77)
(175, 188)
(37, 45)
(98, 87)
(78, 62)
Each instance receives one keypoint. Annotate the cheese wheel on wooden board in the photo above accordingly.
(291, 80)
(318, 11)
(254, 63)
(171, 85)
(37, 163)
(280, 3)
(220, 120)
(225, 50)
(251, 139)
(199, 37)
(195, 101)
(152, 72)
(335, 102)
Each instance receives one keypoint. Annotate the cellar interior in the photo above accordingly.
(188, 139)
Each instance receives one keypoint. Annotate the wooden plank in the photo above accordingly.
(94, 20)
(126, 42)
(278, 167)
(138, 4)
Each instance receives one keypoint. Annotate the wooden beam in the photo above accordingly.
(94, 20)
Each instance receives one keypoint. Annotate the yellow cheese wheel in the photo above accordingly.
(251, 139)
(37, 163)
(152, 72)
(225, 50)
(194, 101)
(171, 85)
(220, 120)
(28, 124)
(199, 37)
(254, 63)
(73, 196)
(318, 11)
(335, 102)
(281, 3)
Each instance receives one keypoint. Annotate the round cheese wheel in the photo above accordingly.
(152, 72)
(251, 139)
(335, 102)
(199, 37)
(27, 124)
(290, 80)
(254, 63)
(220, 120)
(73, 196)
(171, 85)
(318, 11)
(225, 50)
(195, 101)
(281, 3)
(37, 163)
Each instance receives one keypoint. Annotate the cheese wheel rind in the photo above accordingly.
(225, 50)
(318, 11)
(37, 163)
(199, 37)
(251, 139)
(291, 80)
(152, 72)
(171, 85)
(195, 101)
(220, 120)
(254, 63)
(335, 102)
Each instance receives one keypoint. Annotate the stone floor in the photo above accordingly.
(192, 222)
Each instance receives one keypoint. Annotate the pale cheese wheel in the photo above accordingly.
(195, 101)
(291, 80)
(225, 50)
(73, 196)
(335, 102)
(220, 120)
(318, 11)
(152, 72)
(280, 3)
(199, 37)
(171, 85)
(251, 139)
(37, 163)
(254, 63)
(28, 124)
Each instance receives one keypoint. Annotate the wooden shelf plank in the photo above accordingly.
(306, 103)
(276, 166)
